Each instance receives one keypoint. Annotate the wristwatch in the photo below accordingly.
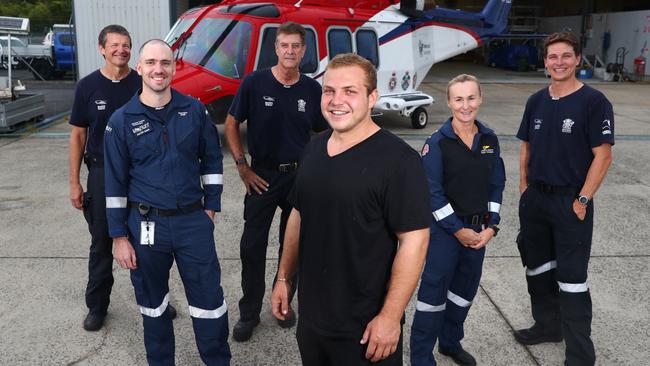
(583, 200)
(495, 228)
(241, 160)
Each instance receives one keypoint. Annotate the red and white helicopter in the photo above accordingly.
(215, 46)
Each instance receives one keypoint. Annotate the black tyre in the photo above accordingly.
(44, 68)
(419, 118)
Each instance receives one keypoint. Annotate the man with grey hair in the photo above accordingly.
(164, 179)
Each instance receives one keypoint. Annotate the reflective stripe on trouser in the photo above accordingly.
(449, 283)
(189, 240)
(555, 247)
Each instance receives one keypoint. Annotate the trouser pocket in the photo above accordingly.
(86, 204)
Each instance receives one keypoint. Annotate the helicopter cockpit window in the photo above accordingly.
(220, 45)
(339, 41)
(367, 45)
(178, 29)
(267, 57)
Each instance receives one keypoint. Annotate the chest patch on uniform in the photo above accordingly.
(182, 114)
(607, 127)
(567, 124)
(140, 127)
(101, 104)
(301, 105)
(487, 149)
(537, 123)
(268, 101)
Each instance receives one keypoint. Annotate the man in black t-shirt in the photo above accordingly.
(97, 96)
(360, 191)
(281, 107)
(567, 134)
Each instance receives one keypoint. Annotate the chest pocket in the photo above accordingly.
(188, 138)
(146, 144)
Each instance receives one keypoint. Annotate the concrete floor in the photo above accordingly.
(44, 248)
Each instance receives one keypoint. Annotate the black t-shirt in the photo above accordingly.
(351, 205)
(280, 117)
(96, 98)
(562, 132)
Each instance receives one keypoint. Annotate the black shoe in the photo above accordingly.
(461, 357)
(536, 335)
(243, 330)
(289, 321)
(94, 322)
(172, 311)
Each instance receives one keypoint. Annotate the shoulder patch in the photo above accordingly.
(425, 149)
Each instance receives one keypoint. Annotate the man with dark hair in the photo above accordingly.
(359, 192)
(97, 96)
(281, 107)
(567, 134)
(163, 186)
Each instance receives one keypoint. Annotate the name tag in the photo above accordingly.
(147, 231)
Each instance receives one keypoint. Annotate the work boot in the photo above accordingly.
(172, 311)
(537, 334)
(460, 357)
(289, 321)
(243, 330)
(94, 321)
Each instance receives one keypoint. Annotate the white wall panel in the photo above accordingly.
(144, 19)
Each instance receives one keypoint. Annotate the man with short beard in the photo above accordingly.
(163, 186)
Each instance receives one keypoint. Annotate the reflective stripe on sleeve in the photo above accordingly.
(443, 212)
(115, 202)
(458, 300)
(212, 179)
(573, 287)
(494, 207)
(154, 313)
(209, 314)
(423, 306)
(541, 269)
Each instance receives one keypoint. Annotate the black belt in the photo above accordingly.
(547, 188)
(93, 162)
(148, 210)
(477, 219)
(271, 165)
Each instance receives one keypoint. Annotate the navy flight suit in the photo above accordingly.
(466, 188)
(173, 165)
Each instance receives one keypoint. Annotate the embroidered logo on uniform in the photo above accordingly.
(566, 125)
(182, 114)
(538, 123)
(142, 127)
(607, 127)
(425, 149)
(268, 101)
(101, 104)
(301, 105)
(486, 149)
(138, 123)
(109, 128)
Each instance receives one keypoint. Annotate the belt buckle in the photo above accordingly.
(285, 168)
(475, 220)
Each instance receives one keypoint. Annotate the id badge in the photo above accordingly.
(147, 230)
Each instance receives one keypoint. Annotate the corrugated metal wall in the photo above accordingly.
(144, 19)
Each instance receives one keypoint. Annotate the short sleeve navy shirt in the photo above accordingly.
(562, 133)
(96, 98)
(280, 117)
